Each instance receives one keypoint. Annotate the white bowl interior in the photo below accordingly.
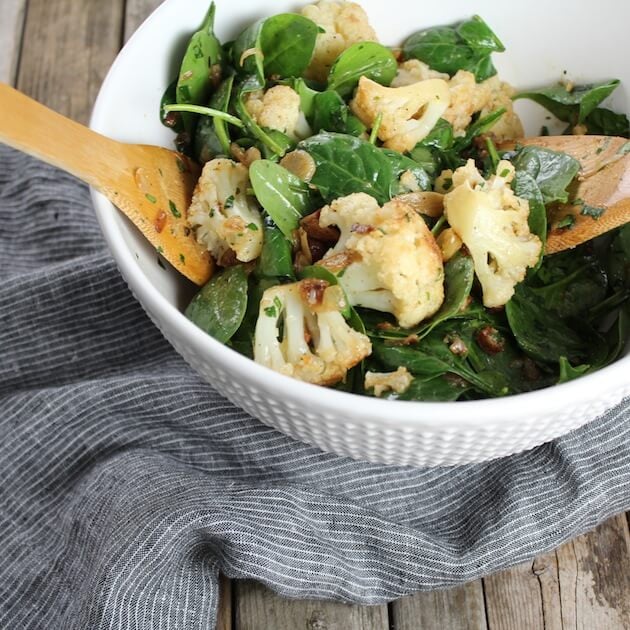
(544, 44)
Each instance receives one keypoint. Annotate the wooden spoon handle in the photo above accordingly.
(32, 128)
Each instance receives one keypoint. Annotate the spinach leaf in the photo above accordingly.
(247, 55)
(617, 336)
(570, 283)
(618, 260)
(541, 333)
(287, 42)
(401, 164)
(363, 59)
(466, 46)
(200, 70)
(603, 122)
(284, 196)
(436, 389)
(570, 373)
(345, 165)
(212, 137)
(330, 113)
(552, 171)
(307, 95)
(572, 106)
(276, 258)
(433, 357)
(172, 120)
(525, 187)
(219, 307)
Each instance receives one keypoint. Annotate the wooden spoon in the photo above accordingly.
(603, 183)
(151, 185)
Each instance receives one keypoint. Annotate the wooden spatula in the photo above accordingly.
(603, 184)
(151, 185)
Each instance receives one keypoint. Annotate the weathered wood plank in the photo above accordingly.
(459, 608)
(258, 608)
(76, 43)
(224, 614)
(136, 11)
(11, 24)
(583, 585)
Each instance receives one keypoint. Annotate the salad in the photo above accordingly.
(376, 225)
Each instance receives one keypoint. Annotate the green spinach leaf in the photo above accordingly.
(603, 122)
(571, 106)
(363, 59)
(247, 55)
(346, 164)
(276, 259)
(287, 42)
(436, 389)
(212, 137)
(220, 306)
(466, 46)
(525, 187)
(284, 196)
(551, 170)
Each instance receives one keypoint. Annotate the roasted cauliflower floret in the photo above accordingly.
(223, 216)
(389, 258)
(468, 98)
(492, 222)
(408, 113)
(381, 382)
(278, 108)
(316, 344)
(345, 24)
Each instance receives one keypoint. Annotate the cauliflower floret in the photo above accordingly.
(389, 258)
(468, 98)
(408, 113)
(345, 24)
(414, 71)
(492, 222)
(278, 108)
(316, 345)
(398, 381)
(223, 215)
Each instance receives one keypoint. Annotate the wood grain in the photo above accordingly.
(136, 12)
(11, 24)
(454, 609)
(224, 614)
(258, 608)
(68, 48)
(584, 585)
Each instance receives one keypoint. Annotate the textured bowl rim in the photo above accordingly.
(411, 414)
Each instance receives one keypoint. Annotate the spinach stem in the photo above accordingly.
(375, 128)
(437, 228)
(494, 154)
(205, 111)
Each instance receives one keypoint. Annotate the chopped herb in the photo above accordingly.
(376, 127)
(253, 227)
(181, 167)
(589, 211)
(211, 213)
(182, 258)
(229, 202)
(174, 210)
(151, 198)
(504, 173)
(447, 184)
(568, 222)
(159, 249)
(278, 303)
(159, 262)
(270, 311)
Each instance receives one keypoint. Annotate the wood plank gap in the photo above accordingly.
(12, 21)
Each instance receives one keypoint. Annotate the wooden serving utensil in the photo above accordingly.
(151, 185)
(603, 183)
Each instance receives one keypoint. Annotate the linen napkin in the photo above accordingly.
(127, 483)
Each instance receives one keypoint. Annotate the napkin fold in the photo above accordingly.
(128, 483)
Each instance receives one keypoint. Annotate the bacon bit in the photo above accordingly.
(312, 291)
(490, 340)
(311, 226)
(530, 370)
(398, 54)
(361, 228)
(317, 249)
(228, 259)
(160, 221)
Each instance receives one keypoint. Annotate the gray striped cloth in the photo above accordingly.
(128, 484)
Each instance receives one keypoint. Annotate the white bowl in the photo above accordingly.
(542, 43)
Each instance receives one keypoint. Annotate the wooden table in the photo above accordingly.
(58, 51)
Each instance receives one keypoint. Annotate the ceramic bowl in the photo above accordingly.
(561, 39)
